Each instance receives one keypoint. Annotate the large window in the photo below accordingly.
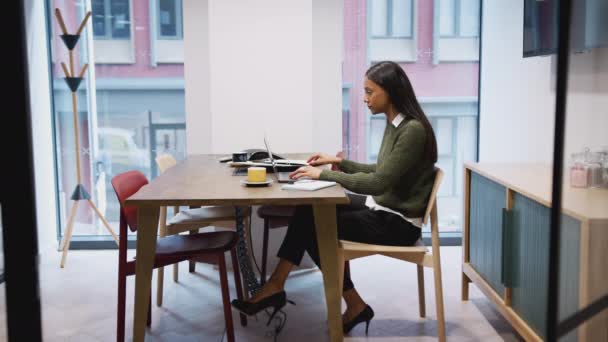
(406, 32)
(170, 19)
(128, 110)
(111, 19)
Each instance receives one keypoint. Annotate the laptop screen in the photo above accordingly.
(274, 167)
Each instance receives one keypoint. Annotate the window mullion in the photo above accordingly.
(179, 33)
(157, 20)
(389, 18)
(411, 18)
(457, 13)
(108, 14)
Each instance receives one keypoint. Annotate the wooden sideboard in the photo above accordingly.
(506, 246)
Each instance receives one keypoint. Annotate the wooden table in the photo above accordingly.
(201, 180)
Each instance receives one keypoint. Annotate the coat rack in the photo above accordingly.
(80, 193)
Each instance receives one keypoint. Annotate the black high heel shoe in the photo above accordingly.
(364, 316)
(276, 301)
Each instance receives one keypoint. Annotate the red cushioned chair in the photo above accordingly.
(170, 250)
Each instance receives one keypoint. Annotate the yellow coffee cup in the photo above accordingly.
(256, 174)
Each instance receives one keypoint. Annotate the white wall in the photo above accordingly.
(197, 76)
(327, 48)
(266, 65)
(271, 66)
(518, 94)
(516, 101)
(587, 106)
(40, 104)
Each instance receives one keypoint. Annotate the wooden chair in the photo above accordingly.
(190, 220)
(170, 250)
(418, 255)
(274, 216)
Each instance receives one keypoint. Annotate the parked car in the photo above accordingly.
(119, 153)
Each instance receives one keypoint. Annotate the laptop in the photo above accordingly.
(282, 177)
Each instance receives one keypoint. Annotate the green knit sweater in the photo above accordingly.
(403, 177)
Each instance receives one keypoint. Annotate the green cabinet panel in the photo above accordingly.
(528, 260)
(487, 201)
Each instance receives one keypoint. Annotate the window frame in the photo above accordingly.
(179, 22)
(389, 22)
(457, 17)
(108, 22)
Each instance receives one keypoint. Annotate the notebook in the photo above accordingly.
(308, 185)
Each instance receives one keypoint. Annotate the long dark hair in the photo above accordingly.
(391, 77)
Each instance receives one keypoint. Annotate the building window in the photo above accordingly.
(111, 19)
(170, 19)
(459, 18)
(392, 18)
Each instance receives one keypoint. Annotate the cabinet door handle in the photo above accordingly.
(505, 274)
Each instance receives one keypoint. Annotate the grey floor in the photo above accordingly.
(79, 304)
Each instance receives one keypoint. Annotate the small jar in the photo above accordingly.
(579, 173)
(593, 160)
(579, 176)
(605, 170)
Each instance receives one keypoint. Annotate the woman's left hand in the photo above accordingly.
(306, 171)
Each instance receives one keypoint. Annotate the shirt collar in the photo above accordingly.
(397, 120)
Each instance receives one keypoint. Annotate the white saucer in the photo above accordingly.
(248, 183)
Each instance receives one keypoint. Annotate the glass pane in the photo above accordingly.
(469, 18)
(402, 18)
(447, 12)
(121, 24)
(167, 18)
(443, 134)
(376, 131)
(171, 141)
(446, 92)
(99, 18)
(585, 170)
(379, 16)
(117, 114)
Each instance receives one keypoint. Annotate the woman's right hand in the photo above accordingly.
(318, 159)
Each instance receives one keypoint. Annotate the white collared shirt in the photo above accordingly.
(371, 203)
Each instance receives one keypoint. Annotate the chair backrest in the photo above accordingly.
(125, 185)
(433, 197)
(165, 161)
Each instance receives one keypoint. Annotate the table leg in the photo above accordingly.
(249, 279)
(327, 239)
(146, 247)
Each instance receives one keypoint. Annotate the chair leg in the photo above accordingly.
(237, 282)
(149, 322)
(226, 298)
(160, 272)
(264, 251)
(437, 274)
(120, 311)
(346, 267)
(439, 303)
(192, 264)
(421, 301)
(176, 272)
(343, 266)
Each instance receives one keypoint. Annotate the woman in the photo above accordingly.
(396, 191)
